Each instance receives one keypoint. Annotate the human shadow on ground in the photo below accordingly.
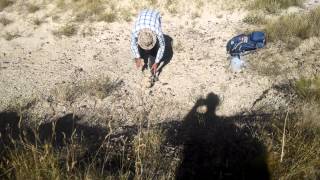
(168, 53)
(213, 147)
(217, 147)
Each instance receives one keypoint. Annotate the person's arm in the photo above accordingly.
(159, 53)
(135, 51)
(134, 47)
(161, 48)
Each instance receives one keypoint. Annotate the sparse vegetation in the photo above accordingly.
(301, 157)
(195, 15)
(142, 153)
(149, 158)
(109, 11)
(178, 46)
(58, 154)
(255, 18)
(87, 31)
(11, 35)
(271, 68)
(126, 15)
(5, 21)
(68, 30)
(32, 8)
(55, 18)
(33, 162)
(171, 6)
(100, 88)
(309, 89)
(108, 17)
(37, 21)
(68, 148)
(293, 28)
(84, 9)
(4, 4)
(273, 6)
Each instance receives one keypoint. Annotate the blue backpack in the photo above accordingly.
(245, 43)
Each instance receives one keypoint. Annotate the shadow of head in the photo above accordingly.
(217, 148)
(206, 106)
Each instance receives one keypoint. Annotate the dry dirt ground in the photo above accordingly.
(37, 62)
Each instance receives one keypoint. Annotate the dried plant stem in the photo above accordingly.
(284, 136)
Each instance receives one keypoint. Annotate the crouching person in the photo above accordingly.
(147, 41)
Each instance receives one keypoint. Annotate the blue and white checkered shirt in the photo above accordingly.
(152, 20)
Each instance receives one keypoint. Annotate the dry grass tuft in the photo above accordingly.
(4, 4)
(5, 21)
(148, 156)
(11, 35)
(32, 8)
(100, 88)
(30, 157)
(268, 63)
(108, 17)
(301, 155)
(178, 46)
(273, 6)
(293, 28)
(22, 105)
(35, 162)
(255, 18)
(68, 30)
(309, 89)
(302, 146)
(37, 21)
(85, 9)
(112, 10)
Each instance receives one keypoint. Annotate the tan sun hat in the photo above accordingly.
(147, 39)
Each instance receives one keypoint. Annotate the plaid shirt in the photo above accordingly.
(152, 20)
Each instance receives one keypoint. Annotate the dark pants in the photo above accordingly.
(149, 56)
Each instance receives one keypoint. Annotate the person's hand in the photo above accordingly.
(154, 68)
(139, 62)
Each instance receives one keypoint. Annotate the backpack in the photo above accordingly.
(245, 43)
